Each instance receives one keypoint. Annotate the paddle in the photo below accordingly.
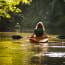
(61, 37)
(16, 37)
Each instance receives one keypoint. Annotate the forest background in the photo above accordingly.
(28, 12)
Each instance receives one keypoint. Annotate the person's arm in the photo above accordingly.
(33, 35)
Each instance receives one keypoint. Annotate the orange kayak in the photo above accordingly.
(39, 39)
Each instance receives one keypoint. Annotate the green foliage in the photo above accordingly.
(7, 6)
(61, 22)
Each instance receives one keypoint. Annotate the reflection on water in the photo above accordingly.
(23, 52)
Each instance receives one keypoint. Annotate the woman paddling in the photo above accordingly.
(39, 32)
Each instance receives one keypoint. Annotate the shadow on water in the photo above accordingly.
(22, 52)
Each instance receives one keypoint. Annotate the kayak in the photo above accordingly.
(39, 39)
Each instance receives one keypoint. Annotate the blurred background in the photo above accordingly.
(50, 12)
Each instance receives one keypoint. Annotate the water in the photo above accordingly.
(23, 52)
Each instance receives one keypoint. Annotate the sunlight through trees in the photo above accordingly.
(7, 6)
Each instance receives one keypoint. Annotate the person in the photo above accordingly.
(39, 30)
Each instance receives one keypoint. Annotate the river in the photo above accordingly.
(23, 52)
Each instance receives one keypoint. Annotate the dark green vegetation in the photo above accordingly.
(51, 12)
(10, 13)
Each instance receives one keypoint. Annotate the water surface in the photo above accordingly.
(23, 52)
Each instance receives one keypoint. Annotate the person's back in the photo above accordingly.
(38, 32)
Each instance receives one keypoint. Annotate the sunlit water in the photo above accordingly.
(23, 52)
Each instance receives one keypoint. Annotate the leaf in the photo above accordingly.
(8, 16)
(26, 1)
(18, 10)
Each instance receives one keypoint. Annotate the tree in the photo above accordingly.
(7, 6)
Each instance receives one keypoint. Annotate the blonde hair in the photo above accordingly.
(41, 24)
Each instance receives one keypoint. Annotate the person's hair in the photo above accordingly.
(39, 26)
